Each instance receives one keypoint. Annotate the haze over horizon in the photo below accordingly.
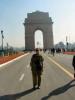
(14, 12)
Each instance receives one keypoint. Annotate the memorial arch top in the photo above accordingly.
(38, 21)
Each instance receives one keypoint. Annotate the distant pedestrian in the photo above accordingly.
(36, 68)
(53, 51)
(73, 63)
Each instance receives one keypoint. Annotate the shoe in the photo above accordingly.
(34, 88)
(38, 87)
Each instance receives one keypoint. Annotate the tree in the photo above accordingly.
(60, 45)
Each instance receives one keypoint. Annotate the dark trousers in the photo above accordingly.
(36, 76)
(74, 71)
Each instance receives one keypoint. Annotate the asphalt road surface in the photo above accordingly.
(57, 79)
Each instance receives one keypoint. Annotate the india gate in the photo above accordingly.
(38, 21)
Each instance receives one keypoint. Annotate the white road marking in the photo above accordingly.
(13, 60)
(28, 66)
(21, 78)
(61, 67)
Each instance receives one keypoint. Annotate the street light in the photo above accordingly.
(7, 46)
(67, 43)
(2, 38)
(7, 49)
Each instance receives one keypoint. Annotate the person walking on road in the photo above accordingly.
(36, 68)
(53, 51)
(73, 63)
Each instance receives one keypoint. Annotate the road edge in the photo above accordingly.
(11, 61)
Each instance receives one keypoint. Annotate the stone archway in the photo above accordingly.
(38, 21)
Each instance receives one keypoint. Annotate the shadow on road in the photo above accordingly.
(59, 90)
(16, 96)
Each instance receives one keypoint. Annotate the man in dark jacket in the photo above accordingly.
(36, 68)
(73, 63)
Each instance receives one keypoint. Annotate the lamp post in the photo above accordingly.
(2, 42)
(7, 49)
(2, 38)
(7, 46)
(67, 43)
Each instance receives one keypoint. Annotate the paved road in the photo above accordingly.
(57, 82)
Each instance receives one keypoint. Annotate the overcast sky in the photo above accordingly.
(14, 12)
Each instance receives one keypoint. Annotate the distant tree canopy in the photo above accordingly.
(71, 46)
(60, 45)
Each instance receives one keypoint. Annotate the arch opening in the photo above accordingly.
(38, 38)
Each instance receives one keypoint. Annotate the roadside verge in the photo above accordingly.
(12, 60)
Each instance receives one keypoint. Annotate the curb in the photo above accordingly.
(11, 61)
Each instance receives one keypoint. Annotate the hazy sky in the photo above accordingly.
(13, 13)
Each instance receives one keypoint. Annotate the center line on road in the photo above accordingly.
(21, 78)
(28, 66)
(61, 67)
